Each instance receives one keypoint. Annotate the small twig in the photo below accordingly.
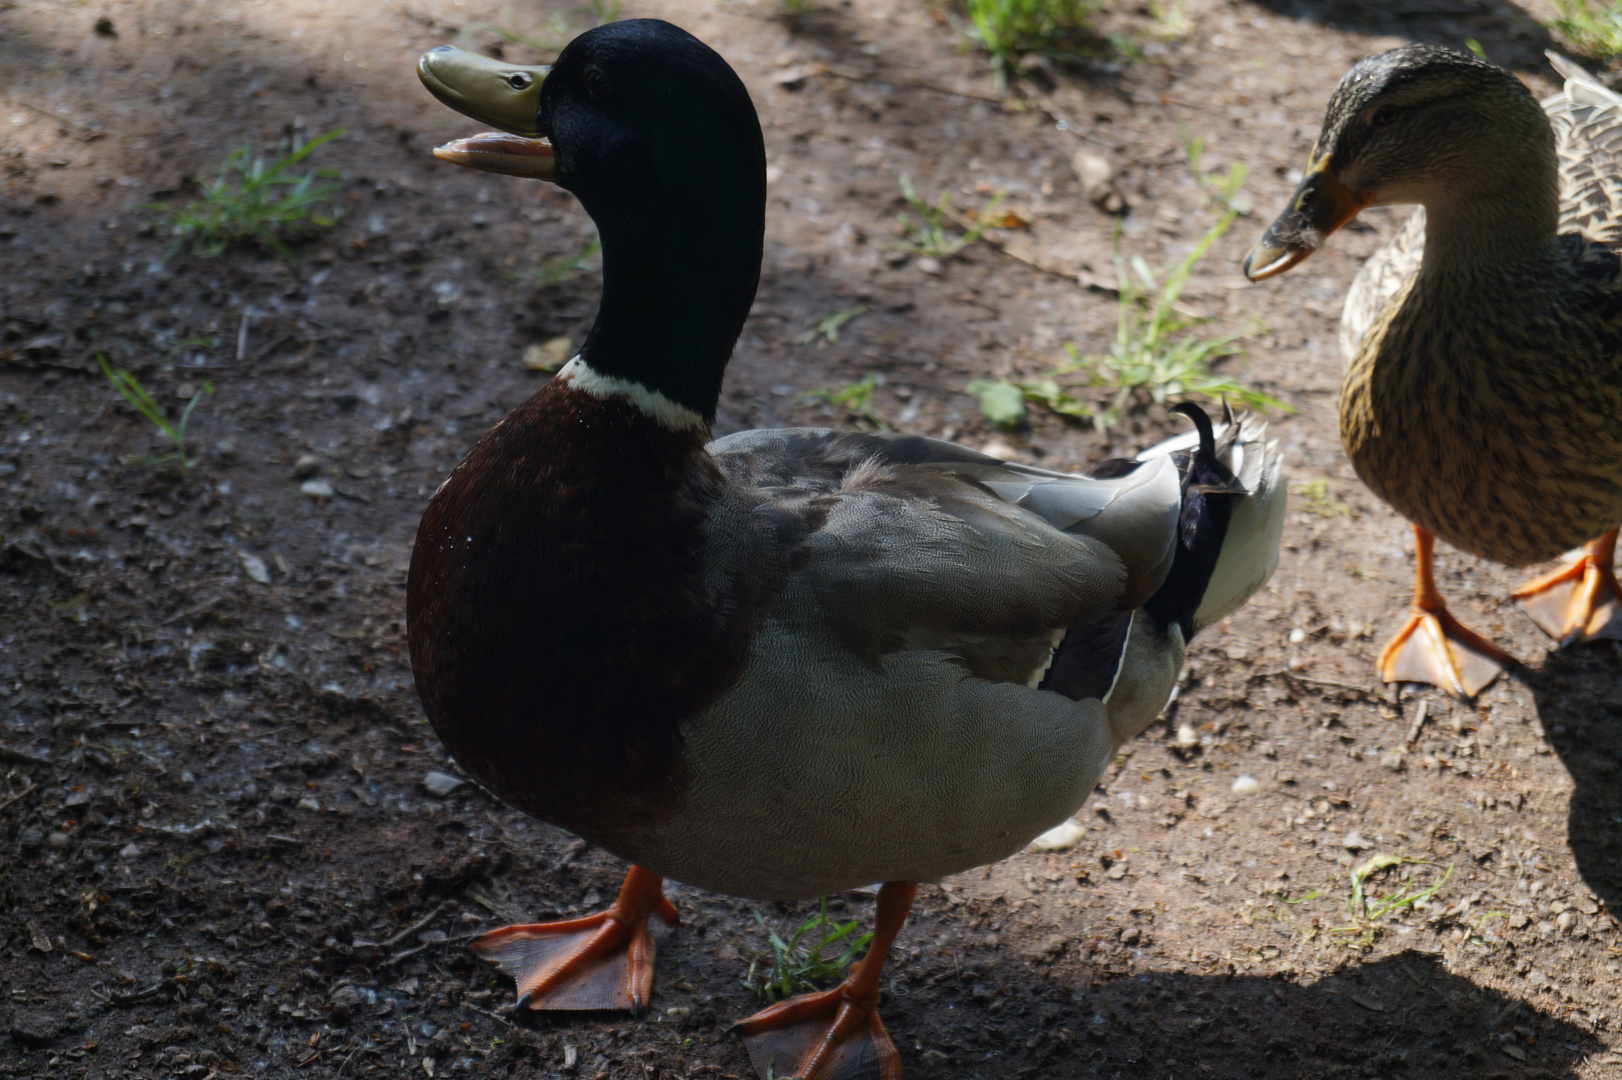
(59, 118)
(418, 925)
(1419, 722)
(11, 753)
(189, 612)
(242, 339)
(399, 956)
(487, 1012)
(31, 786)
(1291, 676)
(856, 76)
(1018, 251)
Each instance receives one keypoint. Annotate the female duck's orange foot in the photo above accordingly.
(1434, 647)
(833, 1035)
(1581, 602)
(602, 961)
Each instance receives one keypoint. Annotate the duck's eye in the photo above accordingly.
(1385, 116)
(519, 81)
(596, 82)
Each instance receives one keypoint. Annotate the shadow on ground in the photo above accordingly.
(1507, 34)
(1579, 698)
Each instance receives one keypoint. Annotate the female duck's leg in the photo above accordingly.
(602, 961)
(1581, 602)
(835, 1034)
(1434, 647)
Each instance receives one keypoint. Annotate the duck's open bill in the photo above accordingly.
(1319, 206)
(498, 152)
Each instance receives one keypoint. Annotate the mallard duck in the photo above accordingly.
(782, 663)
(1484, 343)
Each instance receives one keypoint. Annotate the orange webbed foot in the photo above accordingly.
(1434, 647)
(832, 1035)
(1580, 602)
(602, 961)
(835, 1034)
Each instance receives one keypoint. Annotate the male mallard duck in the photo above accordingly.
(782, 663)
(1484, 344)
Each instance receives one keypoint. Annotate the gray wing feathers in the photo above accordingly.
(961, 533)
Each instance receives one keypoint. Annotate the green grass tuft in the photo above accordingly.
(827, 326)
(1368, 910)
(1011, 29)
(559, 268)
(175, 431)
(1157, 353)
(855, 400)
(250, 198)
(929, 235)
(802, 962)
(1594, 29)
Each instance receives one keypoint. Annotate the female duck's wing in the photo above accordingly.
(1587, 122)
(1378, 282)
(911, 543)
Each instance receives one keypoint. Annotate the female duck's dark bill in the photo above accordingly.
(498, 152)
(1319, 206)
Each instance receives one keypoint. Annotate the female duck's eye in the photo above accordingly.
(1385, 116)
(596, 82)
(518, 80)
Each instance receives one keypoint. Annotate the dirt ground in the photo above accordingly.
(223, 852)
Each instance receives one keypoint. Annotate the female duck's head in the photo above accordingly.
(1426, 125)
(656, 136)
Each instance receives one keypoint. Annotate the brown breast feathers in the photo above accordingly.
(560, 622)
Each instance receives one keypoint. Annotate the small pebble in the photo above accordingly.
(550, 354)
(309, 803)
(254, 567)
(316, 489)
(1246, 785)
(306, 466)
(1354, 842)
(129, 851)
(1187, 737)
(1567, 921)
(441, 784)
(929, 265)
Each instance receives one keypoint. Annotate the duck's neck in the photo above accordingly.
(1503, 225)
(677, 286)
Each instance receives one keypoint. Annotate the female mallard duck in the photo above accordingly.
(783, 663)
(1484, 344)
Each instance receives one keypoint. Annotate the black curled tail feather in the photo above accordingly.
(1209, 492)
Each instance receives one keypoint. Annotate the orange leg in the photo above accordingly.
(835, 1034)
(1434, 647)
(1581, 602)
(602, 961)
